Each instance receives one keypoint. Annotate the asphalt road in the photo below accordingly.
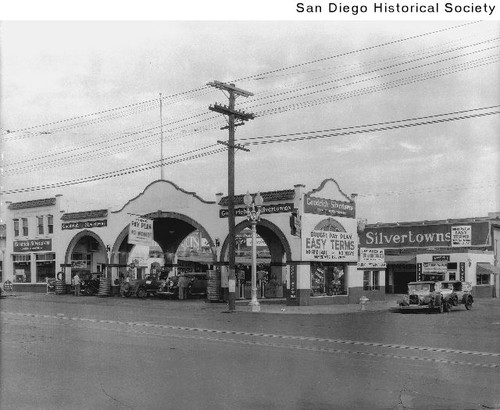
(61, 352)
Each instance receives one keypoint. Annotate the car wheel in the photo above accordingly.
(141, 293)
(468, 304)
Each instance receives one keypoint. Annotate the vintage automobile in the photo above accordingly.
(455, 292)
(197, 285)
(89, 285)
(423, 295)
(143, 287)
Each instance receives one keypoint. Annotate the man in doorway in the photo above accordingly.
(76, 282)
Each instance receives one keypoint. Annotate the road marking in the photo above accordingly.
(284, 337)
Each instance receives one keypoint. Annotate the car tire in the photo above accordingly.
(468, 304)
(141, 293)
(441, 308)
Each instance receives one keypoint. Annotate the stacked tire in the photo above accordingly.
(104, 287)
(213, 286)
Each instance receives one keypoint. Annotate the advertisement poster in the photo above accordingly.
(461, 235)
(140, 231)
(371, 259)
(329, 239)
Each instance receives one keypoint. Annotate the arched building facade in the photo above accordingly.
(309, 268)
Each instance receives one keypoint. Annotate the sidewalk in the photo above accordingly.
(389, 303)
(241, 306)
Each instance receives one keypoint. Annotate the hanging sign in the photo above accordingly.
(140, 231)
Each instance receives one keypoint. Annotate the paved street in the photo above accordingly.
(62, 352)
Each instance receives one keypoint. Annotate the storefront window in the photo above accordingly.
(482, 279)
(22, 268)
(371, 280)
(327, 279)
(45, 266)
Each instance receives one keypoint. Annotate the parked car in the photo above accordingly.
(423, 295)
(150, 285)
(455, 292)
(197, 285)
(89, 285)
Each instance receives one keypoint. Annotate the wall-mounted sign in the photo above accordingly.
(461, 235)
(331, 207)
(265, 209)
(462, 271)
(140, 231)
(329, 239)
(434, 268)
(293, 282)
(33, 245)
(475, 234)
(441, 258)
(373, 259)
(84, 224)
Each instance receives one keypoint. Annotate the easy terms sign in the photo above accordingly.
(329, 239)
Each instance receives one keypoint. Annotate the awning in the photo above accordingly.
(400, 259)
(487, 269)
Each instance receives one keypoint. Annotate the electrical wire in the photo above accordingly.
(32, 166)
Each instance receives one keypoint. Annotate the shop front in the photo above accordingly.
(328, 271)
(436, 250)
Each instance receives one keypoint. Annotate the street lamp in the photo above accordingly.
(253, 215)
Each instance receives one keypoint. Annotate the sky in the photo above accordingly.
(371, 104)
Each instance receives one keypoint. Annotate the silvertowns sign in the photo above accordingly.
(445, 235)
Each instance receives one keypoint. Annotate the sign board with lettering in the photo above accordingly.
(331, 207)
(33, 245)
(461, 235)
(475, 234)
(329, 239)
(373, 259)
(434, 268)
(265, 209)
(84, 224)
(140, 231)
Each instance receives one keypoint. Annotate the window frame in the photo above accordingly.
(39, 220)
(17, 225)
(50, 224)
(25, 226)
(371, 280)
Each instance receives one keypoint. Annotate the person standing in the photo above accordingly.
(76, 282)
(181, 283)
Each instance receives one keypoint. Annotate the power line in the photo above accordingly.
(154, 102)
(106, 143)
(424, 120)
(262, 75)
(188, 156)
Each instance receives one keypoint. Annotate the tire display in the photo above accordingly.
(104, 287)
(213, 286)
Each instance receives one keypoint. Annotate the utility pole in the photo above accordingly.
(161, 136)
(232, 115)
